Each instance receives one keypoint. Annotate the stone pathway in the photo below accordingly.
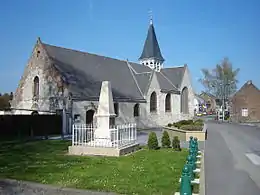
(13, 187)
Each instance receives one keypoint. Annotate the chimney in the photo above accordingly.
(249, 82)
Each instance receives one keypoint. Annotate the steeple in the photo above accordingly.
(151, 55)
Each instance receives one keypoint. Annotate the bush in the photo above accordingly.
(152, 141)
(176, 145)
(166, 142)
(182, 122)
(192, 127)
(199, 122)
(169, 125)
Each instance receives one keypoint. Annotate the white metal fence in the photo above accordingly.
(120, 136)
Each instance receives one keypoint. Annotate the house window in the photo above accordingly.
(153, 102)
(244, 112)
(116, 108)
(36, 87)
(136, 110)
(168, 103)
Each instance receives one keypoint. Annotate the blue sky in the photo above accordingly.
(199, 33)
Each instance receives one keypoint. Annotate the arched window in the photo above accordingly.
(116, 108)
(184, 101)
(36, 87)
(153, 102)
(168, 103)
(136, 110)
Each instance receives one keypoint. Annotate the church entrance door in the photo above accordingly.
(89, 117)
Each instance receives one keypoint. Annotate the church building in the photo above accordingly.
(144, 93)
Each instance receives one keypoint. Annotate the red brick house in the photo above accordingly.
(245, 104)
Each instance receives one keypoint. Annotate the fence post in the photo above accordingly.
(185, 182)
(73, 135)
(117, 135)
(191, 164)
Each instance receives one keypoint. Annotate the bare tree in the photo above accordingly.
(220, 81)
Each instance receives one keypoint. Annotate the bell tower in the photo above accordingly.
(151, 55)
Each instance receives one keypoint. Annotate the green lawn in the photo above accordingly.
(144, 172)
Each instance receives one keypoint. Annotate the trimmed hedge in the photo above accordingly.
(176, 145)
(166, 142)
(153, 141)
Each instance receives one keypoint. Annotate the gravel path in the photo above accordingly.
(13, 187)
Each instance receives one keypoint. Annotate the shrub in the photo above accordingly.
(169, 125)
(166, 142)
(199, 122)
(176, 145)
(191, 127)
(182, 122)
(152, 141)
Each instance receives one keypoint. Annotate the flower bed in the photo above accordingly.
(186, 128)
(188, 125)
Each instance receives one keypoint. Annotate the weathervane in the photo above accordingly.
(151, 16)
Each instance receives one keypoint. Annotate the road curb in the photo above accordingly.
(202, 174)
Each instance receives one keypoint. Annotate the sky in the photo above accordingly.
(198, 33)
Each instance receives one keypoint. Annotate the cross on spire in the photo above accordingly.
(151, 16)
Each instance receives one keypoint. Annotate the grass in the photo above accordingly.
(144, 172)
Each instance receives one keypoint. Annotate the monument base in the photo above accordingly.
(102, 151)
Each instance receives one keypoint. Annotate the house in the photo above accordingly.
(145, 93)
(198, 104)
(211, 101)
(245, 104)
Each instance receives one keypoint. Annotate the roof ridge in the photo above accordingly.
(174, 67)
(136, 71)
(168, 80)
(134, 79)
(84, 52)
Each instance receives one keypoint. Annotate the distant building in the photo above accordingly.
(211, 101)
(245, 104)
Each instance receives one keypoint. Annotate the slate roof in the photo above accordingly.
(151, 47)
(130, 81)
(175, 75)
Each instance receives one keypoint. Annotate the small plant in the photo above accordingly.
(169, 125)
(191, 127)
(166, 142)
(153, 141)
(176, 145)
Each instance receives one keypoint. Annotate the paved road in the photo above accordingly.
(232, 160)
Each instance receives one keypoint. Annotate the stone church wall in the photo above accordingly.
(50, 83)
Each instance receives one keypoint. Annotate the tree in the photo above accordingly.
(220, 81)
(5, 101)
(166, 142)
(152, 141)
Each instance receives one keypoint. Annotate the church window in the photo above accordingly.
(116, 108)
(153, 102)
(168, 103)
(147, 63)
(36, 87)
(136, 110)
(38, 53)
(151, 62)
(184, 101)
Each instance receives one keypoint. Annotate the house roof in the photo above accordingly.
(244, 89)
(151, 47)
(130, 81)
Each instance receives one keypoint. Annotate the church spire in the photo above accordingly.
(151, 55)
